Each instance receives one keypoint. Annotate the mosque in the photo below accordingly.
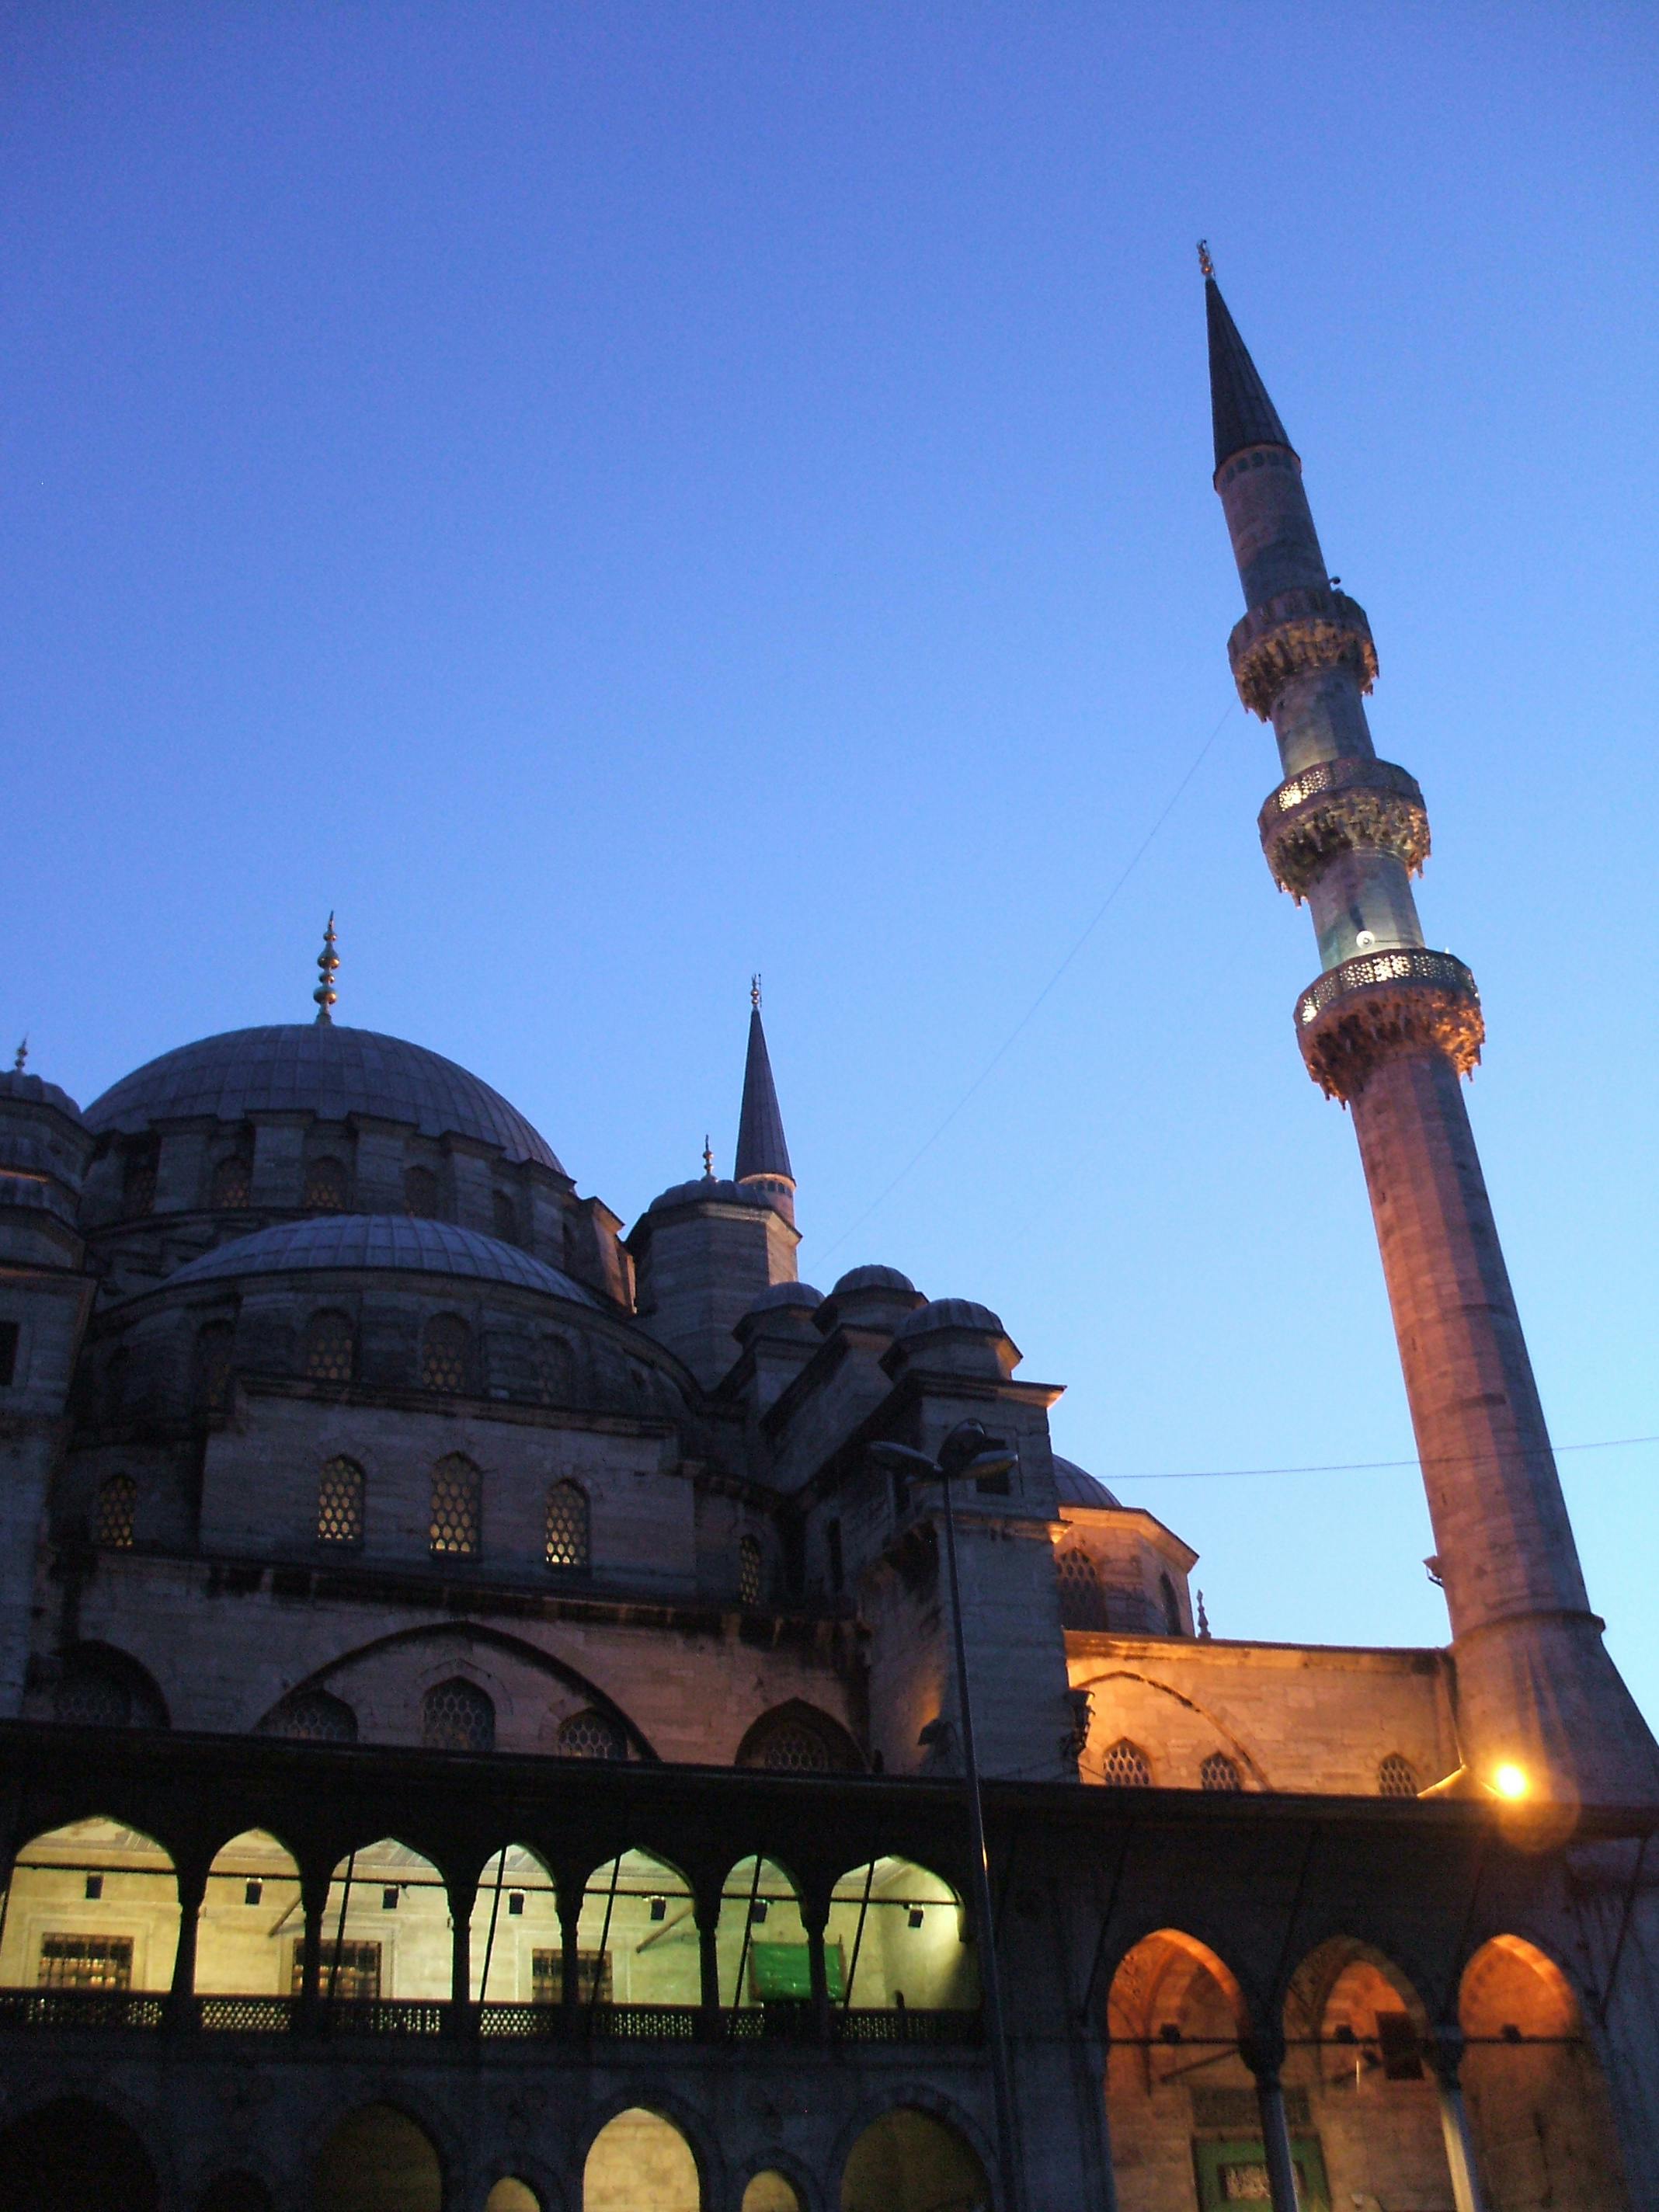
(480, 1724)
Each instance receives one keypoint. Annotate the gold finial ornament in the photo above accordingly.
(1205, 263)
(708, 1159)
(23, 1059)
(754, 993)
(328, 966)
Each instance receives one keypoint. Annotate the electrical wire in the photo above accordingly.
(1368, 1466)
(1036, 1006)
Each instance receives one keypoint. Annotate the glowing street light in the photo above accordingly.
(1511, 1781)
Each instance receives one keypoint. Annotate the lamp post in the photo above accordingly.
(970, 1451)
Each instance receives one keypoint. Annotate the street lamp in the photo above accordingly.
(971, 1452)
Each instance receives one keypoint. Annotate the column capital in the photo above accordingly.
(1264, 2054)
(1442, 2049)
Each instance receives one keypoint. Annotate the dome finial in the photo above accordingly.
(1206, 267)
(328, 966)
(708, 1159)
(23, 1059)
(754, 993)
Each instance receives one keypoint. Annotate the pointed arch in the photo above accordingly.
(798, 1738)
(71, 2154)
(377, 2159)
(634, 2144)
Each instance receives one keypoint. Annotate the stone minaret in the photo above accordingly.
(762, 1156)
(1390, 1028)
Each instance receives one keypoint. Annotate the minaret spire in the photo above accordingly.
(328, 966)
(762, 1155)
(1389, 1027)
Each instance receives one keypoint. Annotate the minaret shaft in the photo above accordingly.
(1390, 1028)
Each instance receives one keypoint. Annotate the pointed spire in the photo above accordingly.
(328, 967)
(1239, 406)
(708, 1159)
(762, 1155)
(23, 1059)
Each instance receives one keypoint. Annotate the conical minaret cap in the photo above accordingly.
(761, 1147)
(1239, 406)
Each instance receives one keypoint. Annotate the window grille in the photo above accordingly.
(214, 1343)
(446, 1346)
(326, 1186)
(547, 1977)
(553, 1371)
(340, 1502)
(85, 1962)
(1218, 1772)
(233, 1183)
(138, 1180)
(591, 1735)
(505, 1217)
(458, 1716)
(568, 1532)
(118, 1507)
(347, 1972)
(749, 1571)
(1082, 1600)
(312, 1717)
(421, 1193)
(455, 1508)
(331, 1347)
(791, 1747)
(1395, 1777)
(1124, 1766)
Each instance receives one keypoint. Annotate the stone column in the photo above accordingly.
(815, 1926)
(181, 1996)
(1444, 2056)
(1265, 2055)
(569, 1897)
(707, 1912)
(463, 2016)
(313, 1905)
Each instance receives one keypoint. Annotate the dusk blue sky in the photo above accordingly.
(611, 497)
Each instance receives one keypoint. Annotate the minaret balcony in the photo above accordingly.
(1293, 634)
(1381, 1005)
(1341, 806)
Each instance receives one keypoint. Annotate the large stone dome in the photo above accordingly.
(320, 1068)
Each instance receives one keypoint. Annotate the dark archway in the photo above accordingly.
(235, 2192)
(378, 2161)
(908, 2161)
(75, 2156)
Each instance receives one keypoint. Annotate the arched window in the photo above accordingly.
(102, 1688)
(312, 1717)
(1171, 1604)
(1218, 1772)
(327, 1185)
(591, 1735)
(569, 1533)
(458, 1716)
(1395, 1776)
(138, 1176)
(116, 1510)
(749, 1571)
(331, 1347)
(554, 1367)
(798, 1739)
(446, 1353)
(1124, 1766)
(421, 1193)
(456, 1508)
(1082, 1600)
(212, 1372)
(340, 1502)
(505, 1217)
(233, 1184)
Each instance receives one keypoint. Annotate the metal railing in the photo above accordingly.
(1409, 964)
(81, 2007)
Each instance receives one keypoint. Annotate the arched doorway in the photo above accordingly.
(1361, 2096)
(378, 2161)
(511, 2194)
(72, 2155)
(1538, 2106)
(641, 2162)
(1175, 2082)
(909, 2162)
(771, 2191)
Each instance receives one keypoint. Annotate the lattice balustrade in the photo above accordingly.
(340, 1502)
(456, 1508)
(1378, 1004)
(247, 2015)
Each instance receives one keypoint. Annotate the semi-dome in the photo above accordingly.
(392, 1241)
(1073, 1485)
(320, 1068)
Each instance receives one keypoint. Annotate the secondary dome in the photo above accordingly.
(374, 1240)
(318, 1067)
(1073, 1485)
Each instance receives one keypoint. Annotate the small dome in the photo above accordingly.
(33, 1090)
(320, 1068)
(712, 1190)
(375, 1242)
(1073, 1487)
(952, 1313)
(786, 1294)
(873, 1278)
